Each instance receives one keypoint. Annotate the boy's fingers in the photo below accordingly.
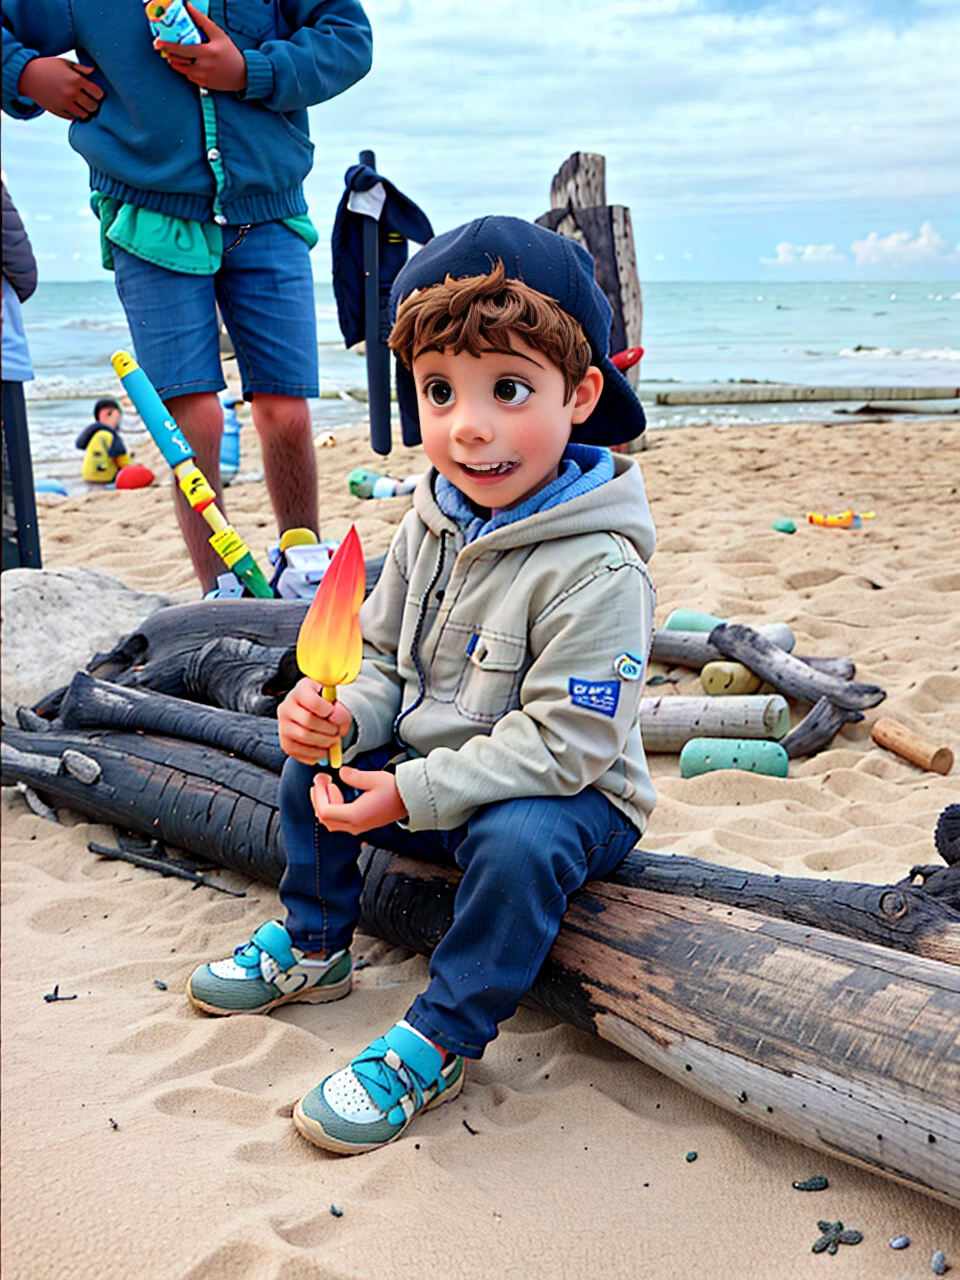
(206, 25)
(84, 71)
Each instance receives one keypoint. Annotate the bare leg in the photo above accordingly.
(200, 418)
(289, 461)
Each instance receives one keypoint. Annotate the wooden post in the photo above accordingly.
(578, 209)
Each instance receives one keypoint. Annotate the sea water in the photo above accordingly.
(865, 335)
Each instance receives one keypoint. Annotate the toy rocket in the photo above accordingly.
(330, 646)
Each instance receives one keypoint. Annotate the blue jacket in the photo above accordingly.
(146, 144)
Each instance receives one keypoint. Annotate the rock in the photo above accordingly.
(900, 1242)
(938, 1264)
(54, 621)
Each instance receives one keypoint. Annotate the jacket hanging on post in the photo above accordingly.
(399, 221)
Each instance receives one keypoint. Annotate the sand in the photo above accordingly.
(143, 1140)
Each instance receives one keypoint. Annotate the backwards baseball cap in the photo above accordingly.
(555, 266)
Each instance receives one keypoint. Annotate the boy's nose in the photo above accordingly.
(470, 425)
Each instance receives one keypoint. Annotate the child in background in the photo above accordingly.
(495, 718)
(104, 451)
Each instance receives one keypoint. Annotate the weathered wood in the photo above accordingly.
(773, 393)
(818, 728)
(91, 703)
(580, 181)
(579, 210)
(910, 746)
(787, 674)
(238, 675)
(842, 1045)
(693, 648)
(216, 807)
(668, 723)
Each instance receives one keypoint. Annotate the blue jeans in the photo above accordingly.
(521, 859)
(265, 291)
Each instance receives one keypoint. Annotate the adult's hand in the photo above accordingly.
(61, 87)
(377, 806)
(218, 64)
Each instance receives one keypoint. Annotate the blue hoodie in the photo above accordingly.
(146, 145)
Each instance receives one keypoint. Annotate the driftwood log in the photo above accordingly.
(693, 648)
(788, 675)
(847, 1047)
(97, 704)
(667, 724)
(756, 991)
(214, 806)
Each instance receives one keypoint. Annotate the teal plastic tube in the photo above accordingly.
(705, 755)
(687, 620)
(167, 436)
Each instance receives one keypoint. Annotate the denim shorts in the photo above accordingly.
(265, 292)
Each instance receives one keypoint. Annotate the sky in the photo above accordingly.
(750, 141)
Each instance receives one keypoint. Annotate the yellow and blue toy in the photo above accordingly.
(172, 443)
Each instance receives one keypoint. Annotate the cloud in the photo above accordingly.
(792, 255)
(659, 257)
(688, 257)
(901, 249)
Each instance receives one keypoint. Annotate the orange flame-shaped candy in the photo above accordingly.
(330, 646)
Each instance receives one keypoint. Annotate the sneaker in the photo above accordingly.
(371, 1102)
(266, 972)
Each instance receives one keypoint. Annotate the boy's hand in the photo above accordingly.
(61, 87)
(379, 805)
(218, 64)
(308, 724)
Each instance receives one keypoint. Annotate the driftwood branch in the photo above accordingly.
(787, 674)
(818, 728)
(667, 724)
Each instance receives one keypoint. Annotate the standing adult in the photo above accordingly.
(197, 161)
(21, 540)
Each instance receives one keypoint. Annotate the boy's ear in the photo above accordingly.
(587, 394)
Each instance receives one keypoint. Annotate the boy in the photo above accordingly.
(504, 649)
(197, 163)
(104, 450)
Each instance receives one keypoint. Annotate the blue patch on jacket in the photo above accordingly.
(595, 695)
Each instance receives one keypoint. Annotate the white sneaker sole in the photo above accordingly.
(312, 995)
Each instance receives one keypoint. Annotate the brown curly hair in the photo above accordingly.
(479, 313)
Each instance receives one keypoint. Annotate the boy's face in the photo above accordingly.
(496, 425)
(109, 417)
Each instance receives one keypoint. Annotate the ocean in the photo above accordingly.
(817, 334)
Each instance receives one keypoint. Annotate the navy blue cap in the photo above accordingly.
(555, 266)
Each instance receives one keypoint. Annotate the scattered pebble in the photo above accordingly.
(113, 1123)
(784, 526)
(690, 1157)
(833, 1236)
(160, 984)
(938, 1264)
(336, 1211)
(818, 1183)
(899, 1242)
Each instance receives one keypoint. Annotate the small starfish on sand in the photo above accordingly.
(833, 1237)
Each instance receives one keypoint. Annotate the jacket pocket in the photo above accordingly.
(254, 18)
(491, 677)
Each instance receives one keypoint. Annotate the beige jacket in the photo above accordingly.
(493, 656)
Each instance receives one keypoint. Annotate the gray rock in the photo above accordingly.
(54, 621)
(938, 1264)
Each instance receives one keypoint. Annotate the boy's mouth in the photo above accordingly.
(488, 472)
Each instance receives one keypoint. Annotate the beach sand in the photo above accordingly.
(142, 1140)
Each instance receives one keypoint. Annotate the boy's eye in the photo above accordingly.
(509, 391)
(439, 394)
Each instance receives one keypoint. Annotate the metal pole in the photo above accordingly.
(378, 354)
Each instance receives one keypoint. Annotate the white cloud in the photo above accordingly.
(85, 212)
(792, 255)
(659, 257)
(902, 249)
(688, 257)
